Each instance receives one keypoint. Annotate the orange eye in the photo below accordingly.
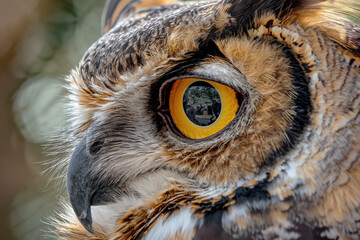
(200, 108)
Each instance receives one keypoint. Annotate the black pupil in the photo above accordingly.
(202, 103)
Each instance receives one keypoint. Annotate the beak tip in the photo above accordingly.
(83, 213)
(86, 220)
(79, 186)
(88, 228)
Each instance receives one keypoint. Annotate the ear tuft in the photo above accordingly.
(332, 17)
(116, 10)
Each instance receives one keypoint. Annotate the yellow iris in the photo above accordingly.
(193, 129)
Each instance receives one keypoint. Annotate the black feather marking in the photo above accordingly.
(212, 227)
(309, 232)
(303, 107)
(353, 38)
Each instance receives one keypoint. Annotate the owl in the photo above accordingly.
(229, 119)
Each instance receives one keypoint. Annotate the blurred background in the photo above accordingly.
(40, 41)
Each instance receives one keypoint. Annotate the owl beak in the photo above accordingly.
(85, 189)
(80, 186)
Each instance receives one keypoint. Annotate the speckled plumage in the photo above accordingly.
(287, 166)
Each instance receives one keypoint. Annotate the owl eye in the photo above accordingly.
(200, 108)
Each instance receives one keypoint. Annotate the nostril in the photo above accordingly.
(96, 147)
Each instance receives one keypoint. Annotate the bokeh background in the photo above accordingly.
(40, 41)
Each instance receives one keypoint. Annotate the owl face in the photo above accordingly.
(180, 109)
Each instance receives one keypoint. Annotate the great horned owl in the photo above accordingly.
(230, 119)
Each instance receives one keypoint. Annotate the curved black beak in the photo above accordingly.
(80, 184)
(85, 188)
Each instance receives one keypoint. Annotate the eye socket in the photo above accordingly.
(200, 108)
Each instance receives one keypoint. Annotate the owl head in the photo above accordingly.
(236, 112)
